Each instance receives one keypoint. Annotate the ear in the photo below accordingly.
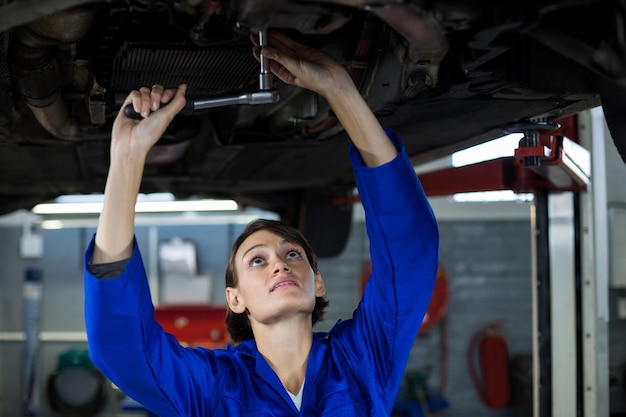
(320, 289)
(233, 298)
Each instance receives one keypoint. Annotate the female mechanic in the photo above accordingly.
(278, 366)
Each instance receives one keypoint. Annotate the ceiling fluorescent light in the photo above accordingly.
(184, 205)
(497, 148)
(140, 207)
(492, 196)
(67, 208)
(242, 217)
(99, 198)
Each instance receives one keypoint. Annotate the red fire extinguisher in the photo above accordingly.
(493, 358)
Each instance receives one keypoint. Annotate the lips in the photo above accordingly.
(283, 283)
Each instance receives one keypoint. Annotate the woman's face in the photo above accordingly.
(275, 279)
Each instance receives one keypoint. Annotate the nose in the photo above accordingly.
(280, 265)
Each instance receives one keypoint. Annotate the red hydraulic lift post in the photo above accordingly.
(540, 166)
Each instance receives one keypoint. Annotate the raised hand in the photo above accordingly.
(132, 137)
(307, 67)
(303, 66)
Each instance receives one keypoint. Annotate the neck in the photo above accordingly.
(286, 347)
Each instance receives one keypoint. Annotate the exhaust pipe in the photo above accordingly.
(35, 67)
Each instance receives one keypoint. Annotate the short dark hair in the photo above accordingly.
(238, 324)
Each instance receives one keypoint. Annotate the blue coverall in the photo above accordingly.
(353, 370)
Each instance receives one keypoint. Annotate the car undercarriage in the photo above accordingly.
(444, 74)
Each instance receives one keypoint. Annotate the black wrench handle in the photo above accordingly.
(129, 110)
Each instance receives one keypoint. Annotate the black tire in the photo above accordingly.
(613, 97)
(324, 223)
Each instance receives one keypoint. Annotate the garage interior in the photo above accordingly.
(542, 282)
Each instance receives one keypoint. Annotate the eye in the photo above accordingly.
(256, 261)
(294, 254)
